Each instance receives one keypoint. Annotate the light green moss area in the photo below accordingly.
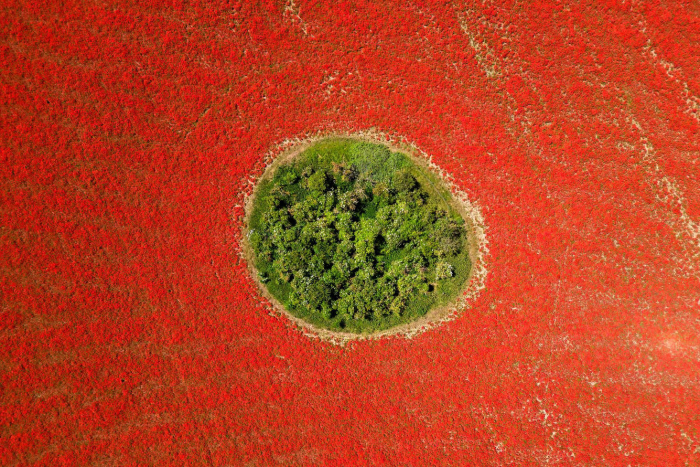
(352, 237)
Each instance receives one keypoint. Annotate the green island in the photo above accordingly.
(350, 236)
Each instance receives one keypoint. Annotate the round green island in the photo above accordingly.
(351, 236)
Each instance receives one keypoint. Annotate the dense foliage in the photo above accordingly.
(347, 237)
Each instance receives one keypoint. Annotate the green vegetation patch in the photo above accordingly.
(350, 236)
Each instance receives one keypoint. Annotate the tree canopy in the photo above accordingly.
(351, 236)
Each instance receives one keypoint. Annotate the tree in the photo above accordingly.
(317, 182)
(404, 181)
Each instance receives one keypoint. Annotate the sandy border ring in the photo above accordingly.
(471, 213)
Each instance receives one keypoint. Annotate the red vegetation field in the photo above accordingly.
(132, 334)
